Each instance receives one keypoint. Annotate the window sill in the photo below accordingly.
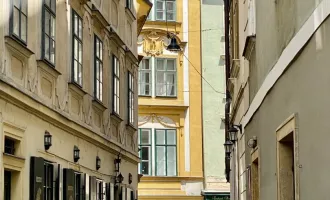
(167, 97)
(99, 105)
(17, 45)
(116, 117)
(130, 13)
(48, 67)
(131, 127)
(144, 95)
(77, 88)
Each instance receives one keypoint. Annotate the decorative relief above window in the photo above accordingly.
(165, 121)
(153, 43)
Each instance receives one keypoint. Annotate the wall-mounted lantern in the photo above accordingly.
(130, 178)
(117, 162)
(76, 154)
(228, 146)
(47, 140)
(98, 163)
(233, 134)
(119, 178)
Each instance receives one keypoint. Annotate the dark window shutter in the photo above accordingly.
(68, 184)
(36, 178)
(132, 195)
(107, 191)
(82, 187)
(93, 187)
(56, 181)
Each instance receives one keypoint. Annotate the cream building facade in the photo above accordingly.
(170, 103)
(68, 99)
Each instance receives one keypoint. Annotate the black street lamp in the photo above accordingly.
(173, 46)
(47, 140)
(119, 178)
(98, 163)
(228, 146)
(130, 178)
(233, 134)
(76, 154)
(117, 162)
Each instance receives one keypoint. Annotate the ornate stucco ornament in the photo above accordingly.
(154, 43)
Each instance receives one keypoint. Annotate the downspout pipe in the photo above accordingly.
(227, 63)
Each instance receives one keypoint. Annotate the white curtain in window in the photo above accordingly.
(161, 161)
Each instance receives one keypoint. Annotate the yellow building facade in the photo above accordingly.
(170, 120)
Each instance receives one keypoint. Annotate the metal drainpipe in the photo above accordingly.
(227, 62)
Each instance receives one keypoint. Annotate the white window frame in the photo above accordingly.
(166, 72)
(143, 70)
(77, 48)
(116, 85)
(165, 10)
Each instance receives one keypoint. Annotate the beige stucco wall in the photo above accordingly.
(36, 97)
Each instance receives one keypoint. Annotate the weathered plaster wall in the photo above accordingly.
(300, 91)
(213, 70)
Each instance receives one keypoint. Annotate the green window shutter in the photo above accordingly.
(68, 184)
(36, 178)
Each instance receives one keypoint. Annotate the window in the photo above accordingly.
(99, 190)
(77, 48)
(165, 152)
(145, 151)
(145, 78)
(165, 77)
(116, 85)
(163, 8)
(9, 146)
(129, 4)
(77, 185)
(48, 30)
(98, 73)
(19, 20)
(161, 147)
(48, 181)
(130, 98)
(7, 185)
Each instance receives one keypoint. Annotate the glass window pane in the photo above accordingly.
(145, 64)
(80, 53)
(80, 28)
(160, 5)
(75, 69)
(80, 74)
(145, 168)
(171, 137)
(170, 16)
(46, 53)
(170, 65)
(170, 6)
(160, 89)
(147, 90)
(101, 51)
(145, 153)
(24, 6)
(171, 161)
(97, 70)
(17, 3)
(75, 24)
(160, 137)
(97, 48)
(52, 51)
(160, 15)
(75, 52)
(47, 21)
(160, 77)
(171, 90)
(170, 78)
(23, 28)
(52, 22)
(47, 2)
(161, 161)
(53, 5)
(16, 21)
(101, 72)
(160, 64)
(145, 136)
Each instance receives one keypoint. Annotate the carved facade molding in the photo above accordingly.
(87, 110)
(153, 118)
(122, 134)
(153, 43)
(87, 23)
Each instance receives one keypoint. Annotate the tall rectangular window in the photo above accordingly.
(166, 77)
(48, 30)
(7, 185)
(165, 140)
(129, 4)
(165, 7)
(77, 48)
(48, 181)
(145, 80)
(145, 151)
(19, 20)
(116, 85)
(98, 72)
(130, 98)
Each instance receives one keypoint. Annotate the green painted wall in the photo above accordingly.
(213, 70)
